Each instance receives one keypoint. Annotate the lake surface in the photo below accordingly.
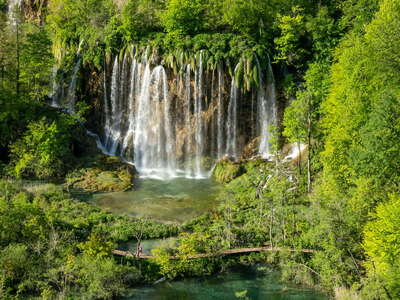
(243, 283)
(174, 201)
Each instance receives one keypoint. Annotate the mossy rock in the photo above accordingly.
(258, 165)
(107, 174)
(225, 171)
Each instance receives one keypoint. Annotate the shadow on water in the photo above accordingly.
(172, 201)
(241, 283)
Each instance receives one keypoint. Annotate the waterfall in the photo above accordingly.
(154, 144)
(111, 131)
(170, 140)
(53, 94)
(131, 108)
(106, 109)
(199, 119)
(171, 127)
(266, 111)
(142, 122)
(231, 125)
(71, 95)
(214, 102)
(14, 7)
(188, 127)
(220, 137)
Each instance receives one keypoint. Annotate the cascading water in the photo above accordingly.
(14, 6)
(188, 126)
(231, 125)
(154, 143)
(53, 94)
(71, 95)
(220, 127)
(266, 111)
(113, 130)
(198, 104)
(134, 83)
(180, 128)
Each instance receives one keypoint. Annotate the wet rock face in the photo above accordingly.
(107, 174)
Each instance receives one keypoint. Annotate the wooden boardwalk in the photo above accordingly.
(219, 253)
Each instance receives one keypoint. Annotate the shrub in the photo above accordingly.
(44, 150)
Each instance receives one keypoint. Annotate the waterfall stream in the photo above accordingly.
(199, 117)
(231, 125)
(14, 7)
(71, 95)
(266, 111)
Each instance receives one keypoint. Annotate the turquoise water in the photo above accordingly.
(244, 283)
(177, 201)
(174, 201)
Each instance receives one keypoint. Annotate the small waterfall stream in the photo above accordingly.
(220, 126)
(231, 125)
(71, 95)
(199, 118)
(188, 123)
(14, 7)
(267, 111)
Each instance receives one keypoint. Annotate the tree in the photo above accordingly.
(382, 245)
(290, 43)
(36, 62)
(184, 17)
(44, 149)
(248, 17)
(302, 118)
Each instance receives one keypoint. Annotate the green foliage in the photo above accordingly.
(357, 13)
(249, 17)
(3, 5)
(83, 23)
(288, 44)
(140, 18)
(44, 149)
(226, 171)
(189, 245)
(36, 62)
(325, 34)
(102, 278)
(295, 121)
(15, 263)
(360, 166)
(382, 245)
(184, 17)
(96, 246)
(364, 93)
(51, 244)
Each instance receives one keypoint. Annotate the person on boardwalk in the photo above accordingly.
(139, 251)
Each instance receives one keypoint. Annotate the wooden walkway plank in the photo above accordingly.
(219, 253)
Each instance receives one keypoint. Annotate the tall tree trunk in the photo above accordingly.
(309, 125)
(299, 158)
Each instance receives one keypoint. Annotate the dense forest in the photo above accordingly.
(335, 65)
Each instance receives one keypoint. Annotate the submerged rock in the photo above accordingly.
(106, 174)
